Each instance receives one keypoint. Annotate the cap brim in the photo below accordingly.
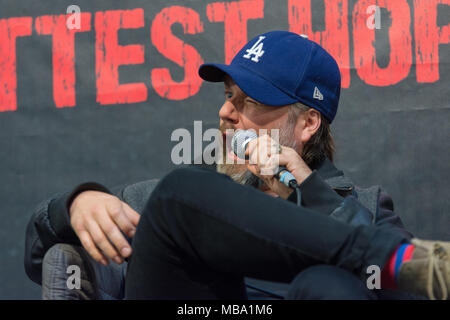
(250, 83)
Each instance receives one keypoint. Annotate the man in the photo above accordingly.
(201, 233)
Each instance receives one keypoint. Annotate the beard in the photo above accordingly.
(239, 172)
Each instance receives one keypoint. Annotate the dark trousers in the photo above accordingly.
(201, 234)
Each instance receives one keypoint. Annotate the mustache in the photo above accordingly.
(246, 177)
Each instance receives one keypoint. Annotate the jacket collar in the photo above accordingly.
(334, 177)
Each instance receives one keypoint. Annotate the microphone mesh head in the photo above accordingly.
(240, 140)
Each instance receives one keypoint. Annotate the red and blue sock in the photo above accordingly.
(390, 271)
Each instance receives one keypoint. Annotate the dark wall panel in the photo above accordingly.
(395, 135)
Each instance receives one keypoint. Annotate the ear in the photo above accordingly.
(308, 123)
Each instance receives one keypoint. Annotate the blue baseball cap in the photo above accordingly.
(278, 68)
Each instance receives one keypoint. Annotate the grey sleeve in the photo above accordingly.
(136, 195)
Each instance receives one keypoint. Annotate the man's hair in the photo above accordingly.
(321, 144)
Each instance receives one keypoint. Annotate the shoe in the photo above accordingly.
(428, 271)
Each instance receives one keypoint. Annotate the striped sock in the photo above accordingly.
(390, 271)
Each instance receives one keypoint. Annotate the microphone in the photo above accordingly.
(239, 143)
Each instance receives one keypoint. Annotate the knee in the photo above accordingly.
(324, 282)
(176, 182)
(183, 184)
(186, 179)
(176, 178)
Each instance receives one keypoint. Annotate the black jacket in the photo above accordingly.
(326, 190)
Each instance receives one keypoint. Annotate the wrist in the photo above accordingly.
(301, 174)
(73, 202)
(88, 186)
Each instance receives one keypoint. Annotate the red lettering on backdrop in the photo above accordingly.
(10, 29)
(63, 52)
(335, 37)
(399, 39)
(110, 55)
(235, 15)
(428, 36)
(177, 51)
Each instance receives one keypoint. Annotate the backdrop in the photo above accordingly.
(92, 90)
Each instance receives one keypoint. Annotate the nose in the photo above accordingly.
(228, 113)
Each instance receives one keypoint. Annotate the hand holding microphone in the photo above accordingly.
(280, 167)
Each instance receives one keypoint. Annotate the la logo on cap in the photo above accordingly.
(257, 50)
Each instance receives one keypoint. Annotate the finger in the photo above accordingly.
(262, 152)
(262, 147)
(91, 248)
(101, 241)
(116, 238)
(132, 214)
(271, 166)
(250, 147)
(254, 144)
(253, 151)
(286, 155)
(266, 151)
(117, 213)
(253, 169)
